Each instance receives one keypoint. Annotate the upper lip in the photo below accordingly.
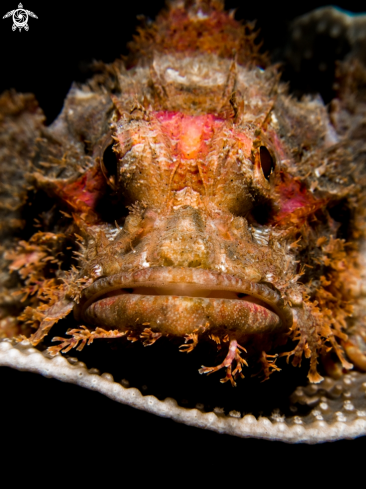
(160, 277)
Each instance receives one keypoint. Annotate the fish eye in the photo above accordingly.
(110, 166)
(267, 162)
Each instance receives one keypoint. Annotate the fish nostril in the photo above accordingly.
(167, 262)
(194, 263)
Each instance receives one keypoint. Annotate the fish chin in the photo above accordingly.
(180, 316)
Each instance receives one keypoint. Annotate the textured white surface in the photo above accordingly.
(24, 357)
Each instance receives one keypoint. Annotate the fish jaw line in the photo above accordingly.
(190, 299)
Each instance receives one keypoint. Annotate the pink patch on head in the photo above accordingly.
(295, 200)
(191, 133)
(189, 140)
(82, 194)
(293, 197)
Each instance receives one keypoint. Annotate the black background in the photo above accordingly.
(48, 423)
(66, 38)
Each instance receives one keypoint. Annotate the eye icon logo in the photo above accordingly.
(20, 17)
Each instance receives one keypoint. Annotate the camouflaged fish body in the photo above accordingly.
(244, 226)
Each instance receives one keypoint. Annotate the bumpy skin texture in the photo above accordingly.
(245, 223)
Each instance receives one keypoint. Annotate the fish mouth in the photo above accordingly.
(180, 301)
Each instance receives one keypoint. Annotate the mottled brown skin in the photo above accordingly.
(232, 186)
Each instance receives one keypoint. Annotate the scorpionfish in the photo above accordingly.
(182, 193)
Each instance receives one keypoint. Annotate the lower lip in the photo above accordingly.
(181, 315)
